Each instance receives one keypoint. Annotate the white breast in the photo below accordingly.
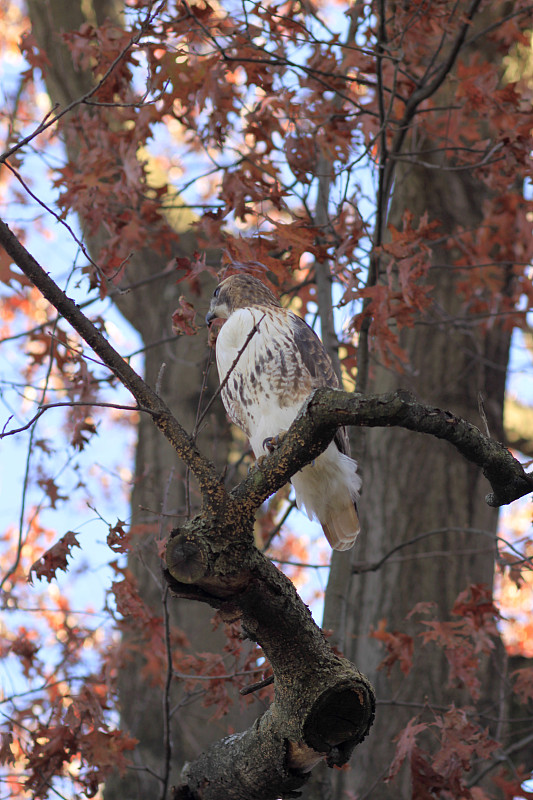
(255, 396)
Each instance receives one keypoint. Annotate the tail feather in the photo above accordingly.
(328, 489)
(342, 527)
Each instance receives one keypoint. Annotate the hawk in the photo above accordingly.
(275, 360)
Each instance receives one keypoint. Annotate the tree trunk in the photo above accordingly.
(160, 480)
(413, 486)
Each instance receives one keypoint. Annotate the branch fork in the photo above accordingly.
(323, 706)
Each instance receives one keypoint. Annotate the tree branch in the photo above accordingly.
(310, 433)
(213, 492)
(323, 706)
(326, 409)
(425, 91)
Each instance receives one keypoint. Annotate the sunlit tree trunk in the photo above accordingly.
(161, 497)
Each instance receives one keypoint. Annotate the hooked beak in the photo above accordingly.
(209, 317)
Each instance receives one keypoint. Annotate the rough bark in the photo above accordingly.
(398, 465)
(323, 706)
(411, 488)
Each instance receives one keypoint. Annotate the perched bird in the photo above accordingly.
(275, 360)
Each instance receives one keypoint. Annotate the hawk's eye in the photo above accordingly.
(216, 292)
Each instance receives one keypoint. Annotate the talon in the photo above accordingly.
(270, 443)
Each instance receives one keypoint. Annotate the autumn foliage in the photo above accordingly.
(274, 134)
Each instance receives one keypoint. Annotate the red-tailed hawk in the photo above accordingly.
(281, 364)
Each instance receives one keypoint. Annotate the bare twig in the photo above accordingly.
(185, 676)
(391, 155)
(500, 757)
(25, 481)
(291, 506)
(59, 219)
(359, 568)
(254, 687)
(425, 91)
(68, 404)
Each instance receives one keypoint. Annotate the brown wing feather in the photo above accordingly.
(318, 363)
(313, 353)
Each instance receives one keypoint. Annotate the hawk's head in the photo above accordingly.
(239, 291)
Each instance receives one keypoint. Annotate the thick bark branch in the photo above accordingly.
(323, 706)
(311, 432)
(326, 409)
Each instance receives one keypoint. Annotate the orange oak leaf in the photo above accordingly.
(55, 558)
(406, 745)
(183, 319)
(399, 647)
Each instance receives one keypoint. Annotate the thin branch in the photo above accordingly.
(147, 769)
(321, 218)
(254, 687)
(47, 122)
(186, 676)
(25, 481)
(61, 221)
(426, 91)
(359, 567)
(291, 506)
(212, 489)
(301, 564)
(382, 200)
(205, 378)
(68, 404)
(501, 757)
